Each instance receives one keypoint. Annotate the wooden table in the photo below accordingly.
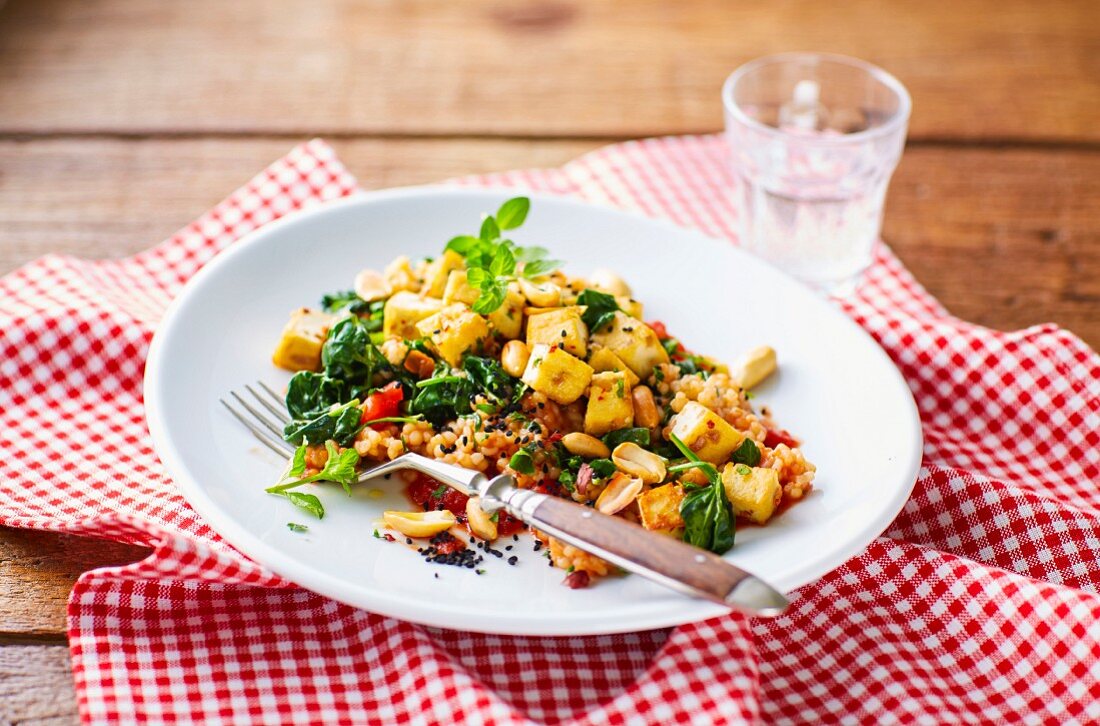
(121, 120)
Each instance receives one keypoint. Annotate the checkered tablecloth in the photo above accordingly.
(979, 604)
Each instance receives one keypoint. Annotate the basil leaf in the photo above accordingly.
(747, 453)
(530, 254)
(637, 435)
(477, 276)
(599, 310)
(491, 297)
(308, 502)
(535, 268)
(489, 230)
(463, 244)
(504, 262)
(513, 212)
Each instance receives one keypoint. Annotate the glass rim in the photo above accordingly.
(898, 120)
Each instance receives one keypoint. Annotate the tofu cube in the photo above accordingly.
(660, 509)
(561, 326)
(403, 311)
(507, 320)
(602, 359)
(439, 269)
(634, 342)
(610, 405)
(458, 289)
(706, 433)
(454, 331)
(630, 306)
(554, 373)
(299, 348)
(754, 492)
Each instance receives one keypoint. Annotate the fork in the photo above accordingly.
(657, 557)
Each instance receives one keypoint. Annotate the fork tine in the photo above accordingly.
(279, 400)
(267, 423)
(275, 444)
(275, 411)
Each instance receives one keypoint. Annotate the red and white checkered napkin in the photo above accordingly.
(980, 603)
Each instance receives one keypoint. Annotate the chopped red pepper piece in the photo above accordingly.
(383, 403)
(776, 437)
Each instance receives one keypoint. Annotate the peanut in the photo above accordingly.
(645, 409)
(513, 357)
(584, 445)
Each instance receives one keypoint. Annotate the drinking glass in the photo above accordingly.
(815, 138)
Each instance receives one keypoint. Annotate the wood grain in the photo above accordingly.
(37, 571)
(1004, 237)
(978, 70)
(36, 686)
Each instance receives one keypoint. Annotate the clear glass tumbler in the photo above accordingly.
(815, 138)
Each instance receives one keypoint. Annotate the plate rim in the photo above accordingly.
(272, 559)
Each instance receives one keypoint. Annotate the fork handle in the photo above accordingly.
(662, 559)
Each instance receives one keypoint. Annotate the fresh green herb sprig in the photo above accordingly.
(339, 468)
(706, 510)
(295, 527)
(492, 261)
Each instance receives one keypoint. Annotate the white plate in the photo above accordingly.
(836, 390)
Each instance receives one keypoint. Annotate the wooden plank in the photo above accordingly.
(1005, 237)
(37, 571)
(978, 70)
(104, 198)
(36, 686)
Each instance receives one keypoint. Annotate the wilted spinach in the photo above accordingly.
(336, 302)
(599, 310)
(490, 377)
(310, 394)
(349, 355)
(637, 435)
(341, 424)
(706, 510)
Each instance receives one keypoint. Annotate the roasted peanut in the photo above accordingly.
(420, 524)
(645, 409)
(639, 463)
(753, 367)
(419, 364)
(371, 286)
(513, 357)
(607, 281)
(481, 522)
(584, 445)
(619, 493)
(543, 295)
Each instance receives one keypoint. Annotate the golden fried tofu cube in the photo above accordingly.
(610, 405)
(453, 331)
(634, 342)
(603, 359)
(399, 275)
(753, 492)
(458, 289)
(403, 311)
(706, 433)
(508, 318)
(660, 509)
(299, 348)
(554, 373)
(630, 306)
(561, 326)
(439, 269)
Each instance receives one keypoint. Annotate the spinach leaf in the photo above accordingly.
(522, 462)
(336, 302)
(600, 308)
(309, 394)
(442, 397)
(340, 423)
(489, 375)
(349, 355)
(708, 518)
(706, 511)
(603, 468)
(636, 435)
(747, 453)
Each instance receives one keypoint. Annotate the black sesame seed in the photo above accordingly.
(408, 540)
(509, 548)
(513, 560)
